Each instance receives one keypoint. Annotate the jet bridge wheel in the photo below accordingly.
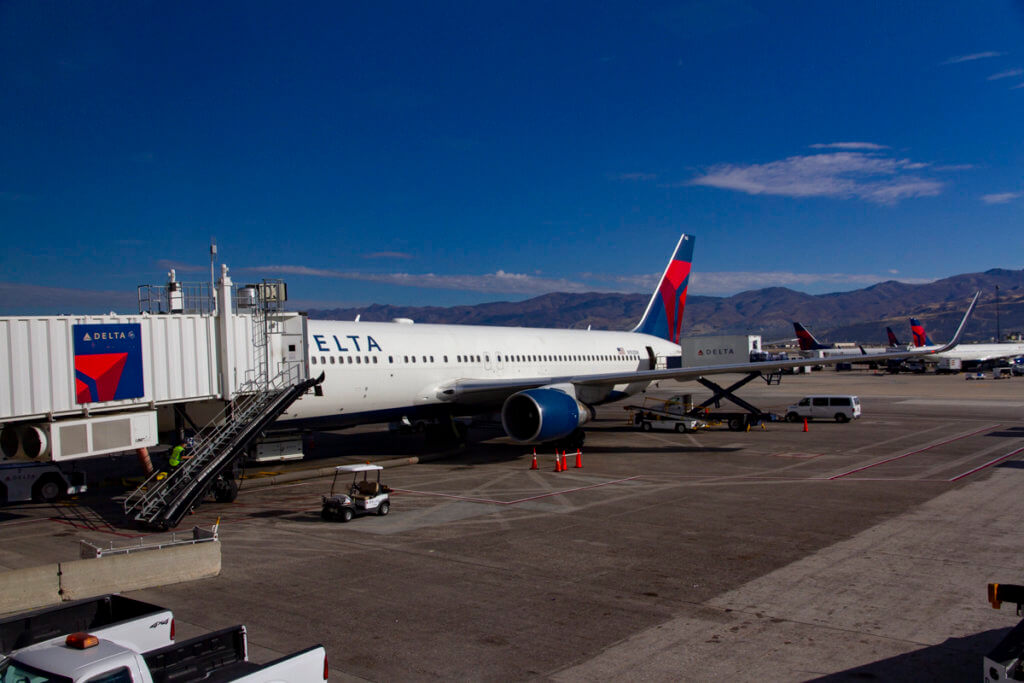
(47, 489)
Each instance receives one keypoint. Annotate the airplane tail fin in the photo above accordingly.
(921, 337)
(806, 339)
(893, 341)
(664, 315)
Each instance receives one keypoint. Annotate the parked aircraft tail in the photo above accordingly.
(807, 340)
(921, 337)
(893, 341)
(664, 315)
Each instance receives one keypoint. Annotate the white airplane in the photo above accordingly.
(544, 382)
(965, 352)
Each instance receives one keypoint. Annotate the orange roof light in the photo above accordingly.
(81, 641)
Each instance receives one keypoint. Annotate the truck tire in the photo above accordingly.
(680, 428)
(841, 417)
(384, 508)
(792, 417)
(48, 489)
(736, 424)
(645, 425)
(345, 514)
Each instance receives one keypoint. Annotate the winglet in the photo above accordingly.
(959, 330)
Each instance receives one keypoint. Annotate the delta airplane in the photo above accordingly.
(977, 353)
(544, 382)
(809, 343)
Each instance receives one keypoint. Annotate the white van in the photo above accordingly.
(838, 408)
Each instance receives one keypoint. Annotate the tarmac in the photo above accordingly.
(846, 552)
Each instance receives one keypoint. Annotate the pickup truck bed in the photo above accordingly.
(83, 615)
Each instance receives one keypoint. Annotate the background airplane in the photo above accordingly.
(966, 353)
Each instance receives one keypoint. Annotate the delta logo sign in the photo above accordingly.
(108, 362)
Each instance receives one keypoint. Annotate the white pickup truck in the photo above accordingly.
(114, 639)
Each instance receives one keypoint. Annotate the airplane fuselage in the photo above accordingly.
(376, 372)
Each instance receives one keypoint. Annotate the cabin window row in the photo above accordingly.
(340, 360)
(510, 358)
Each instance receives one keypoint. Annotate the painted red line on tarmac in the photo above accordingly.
(988, 464)
(919, 450)
(491, 501)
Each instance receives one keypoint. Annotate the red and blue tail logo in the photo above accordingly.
(893, 341)
(920, 336)
(807, 340)
(664, 315)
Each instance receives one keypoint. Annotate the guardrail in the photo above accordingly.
(89, 550)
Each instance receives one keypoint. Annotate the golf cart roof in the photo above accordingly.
(358, 468)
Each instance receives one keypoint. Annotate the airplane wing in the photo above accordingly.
(473, 390)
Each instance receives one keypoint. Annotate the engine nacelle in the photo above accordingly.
(544, 414)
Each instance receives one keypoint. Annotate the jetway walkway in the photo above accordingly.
(161, 503)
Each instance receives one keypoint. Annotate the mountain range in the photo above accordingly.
(860, 315)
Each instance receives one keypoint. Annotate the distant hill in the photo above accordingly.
(860, 315)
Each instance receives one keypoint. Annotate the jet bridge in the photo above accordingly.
(78, 386)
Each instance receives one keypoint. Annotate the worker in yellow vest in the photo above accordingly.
(175, 458)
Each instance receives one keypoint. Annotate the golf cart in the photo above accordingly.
(364, 496)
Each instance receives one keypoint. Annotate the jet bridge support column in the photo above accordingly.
(226, 335)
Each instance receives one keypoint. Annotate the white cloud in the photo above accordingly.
(1001, 197)
(973, 57)
(842, 175)
(849, 145)
(1019, 85)
(1009, 73)
(497, 282)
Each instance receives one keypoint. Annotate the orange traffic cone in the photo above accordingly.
(579, 459)
(558, 462)
(565, 462)
(533, 466)
(805, 424)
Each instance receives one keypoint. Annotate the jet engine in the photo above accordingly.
(543, 414)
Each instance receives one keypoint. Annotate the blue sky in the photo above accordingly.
(446, 153)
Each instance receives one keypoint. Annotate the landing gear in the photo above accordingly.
(572, 442)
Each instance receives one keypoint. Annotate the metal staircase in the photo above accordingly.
(163, 502)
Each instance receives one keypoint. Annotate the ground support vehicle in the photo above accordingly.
(663, 415)
(679, 414)
(949, 366)
(838, 408)
(136, 649)
(42, 482)
(1005, 662)
(364, 496)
